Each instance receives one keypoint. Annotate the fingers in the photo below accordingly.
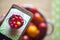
(1, 19)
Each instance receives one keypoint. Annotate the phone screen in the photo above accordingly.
(5, 28)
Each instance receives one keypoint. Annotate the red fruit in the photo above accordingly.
(13, 19)
(30, 8)
(16, 17)
(22, 21)
(32, 30)
(37, 18)
(10, 22)
(13, 15)
(11, 25)
(33, 10)
(16, 26)
(42, 25)
(25, 37)
(43, 29)
(16, 21)
(20, 17)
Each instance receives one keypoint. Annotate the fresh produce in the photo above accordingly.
(32, 30)
(37, 18)
(42, 25)
(25, 37)
(30, 8)
(43, 29)
(38, 27)
(16, 21)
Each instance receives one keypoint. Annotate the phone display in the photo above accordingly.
(3, 37)
(15, 23)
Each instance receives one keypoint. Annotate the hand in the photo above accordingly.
(1, 19)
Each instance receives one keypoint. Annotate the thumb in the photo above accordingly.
(1, 19)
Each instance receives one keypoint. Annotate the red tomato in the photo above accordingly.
(30, 8)
(33, 10)
(25, 37)
(42, 27)
(32, 30)
(37, 18)
(16, 21)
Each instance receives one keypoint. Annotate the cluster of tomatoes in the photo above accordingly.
(16, 21)
(37, 28)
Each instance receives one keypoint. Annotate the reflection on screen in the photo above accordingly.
(5, 27)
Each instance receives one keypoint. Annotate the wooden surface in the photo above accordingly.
(45, 5)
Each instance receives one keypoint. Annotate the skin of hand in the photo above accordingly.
(1, 19)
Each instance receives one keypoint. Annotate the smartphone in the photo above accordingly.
(15, 34)
(3, 37)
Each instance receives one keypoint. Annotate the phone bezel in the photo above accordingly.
(23, 10)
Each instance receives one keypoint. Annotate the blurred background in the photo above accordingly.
(50, 8)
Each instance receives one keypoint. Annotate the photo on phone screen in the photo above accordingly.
(7, 28)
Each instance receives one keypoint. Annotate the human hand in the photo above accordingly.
(1, 19)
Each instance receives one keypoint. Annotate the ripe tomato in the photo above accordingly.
(37, 18)
(32, 30)
(25, 37)
(30, 8)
